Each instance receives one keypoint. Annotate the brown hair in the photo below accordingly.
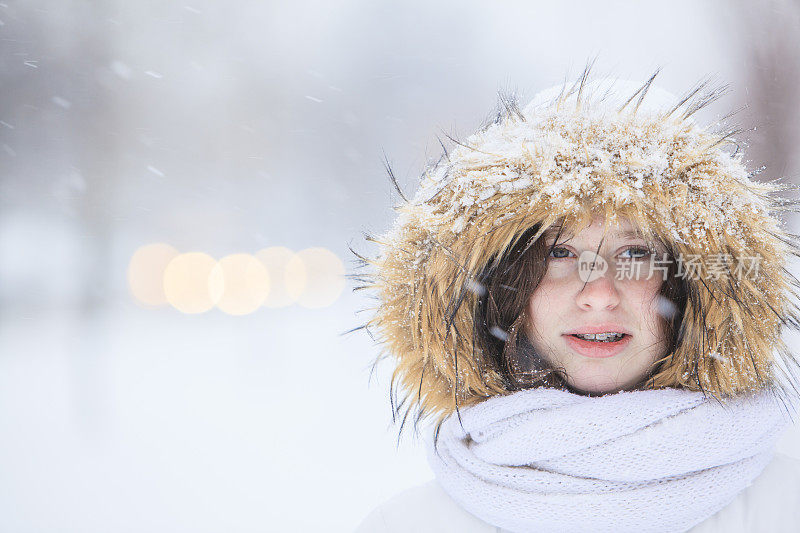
(501, 314)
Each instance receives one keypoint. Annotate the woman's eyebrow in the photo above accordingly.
(565, 237)
(630, 234)
(552, 234)
(638, 236)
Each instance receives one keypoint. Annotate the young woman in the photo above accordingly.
(586, 298)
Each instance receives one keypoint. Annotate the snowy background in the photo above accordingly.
(234, 127)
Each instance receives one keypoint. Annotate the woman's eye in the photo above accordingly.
(636, 252)
(559, 252)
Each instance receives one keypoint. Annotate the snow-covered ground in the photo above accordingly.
(154, 421)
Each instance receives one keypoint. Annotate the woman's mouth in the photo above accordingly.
(600, 337)
(605, 344)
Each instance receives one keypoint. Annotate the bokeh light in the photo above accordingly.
(324, 277)
(295, 277)
(287, 277)
(238, 284)
(192, 284)
(146, 273)
(246, 282)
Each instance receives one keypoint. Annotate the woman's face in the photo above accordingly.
(577, 299)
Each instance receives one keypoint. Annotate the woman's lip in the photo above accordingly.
(599, 328)
(597, 349)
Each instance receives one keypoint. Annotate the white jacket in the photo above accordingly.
(770, 505)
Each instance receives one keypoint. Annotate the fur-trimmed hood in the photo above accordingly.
(608, 147)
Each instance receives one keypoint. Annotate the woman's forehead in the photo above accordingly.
(622, 228)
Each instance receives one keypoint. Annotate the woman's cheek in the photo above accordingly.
(642, 291)
(541, 303)
(643, 296)
(544, 293)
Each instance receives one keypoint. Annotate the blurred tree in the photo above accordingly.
(770, 41)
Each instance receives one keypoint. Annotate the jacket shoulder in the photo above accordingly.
(424, 508)
(770, 503)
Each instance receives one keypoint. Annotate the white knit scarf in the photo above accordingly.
(652, 460)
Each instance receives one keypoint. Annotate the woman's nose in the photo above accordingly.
(599, 294)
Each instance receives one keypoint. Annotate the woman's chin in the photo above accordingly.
(593, 386)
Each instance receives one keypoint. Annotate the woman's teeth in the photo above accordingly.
(600, 337)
